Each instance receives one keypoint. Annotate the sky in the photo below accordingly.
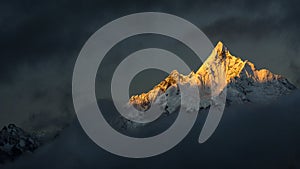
(40, 42)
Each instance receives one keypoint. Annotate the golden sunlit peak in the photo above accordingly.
(220, 68)
(220, 46)
(221, 49)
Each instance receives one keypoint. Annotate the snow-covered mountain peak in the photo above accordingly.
(220, 70)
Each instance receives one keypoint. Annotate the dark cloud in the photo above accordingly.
(249, 136)
(38, 96)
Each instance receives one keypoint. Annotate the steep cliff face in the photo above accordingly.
(221, 70)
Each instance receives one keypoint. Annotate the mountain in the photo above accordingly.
(14, 141)
(242, 81)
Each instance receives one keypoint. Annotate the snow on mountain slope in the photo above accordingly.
(221, 70)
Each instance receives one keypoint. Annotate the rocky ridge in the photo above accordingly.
(221, 70)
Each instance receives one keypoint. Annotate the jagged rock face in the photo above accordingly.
(221, 70)
(14, 141)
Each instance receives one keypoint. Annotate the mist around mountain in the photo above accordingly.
(248, 136)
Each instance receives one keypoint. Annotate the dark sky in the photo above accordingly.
(41, 40)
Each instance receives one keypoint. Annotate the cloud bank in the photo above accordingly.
(249, 136)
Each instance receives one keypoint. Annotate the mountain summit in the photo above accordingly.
(221, 70)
